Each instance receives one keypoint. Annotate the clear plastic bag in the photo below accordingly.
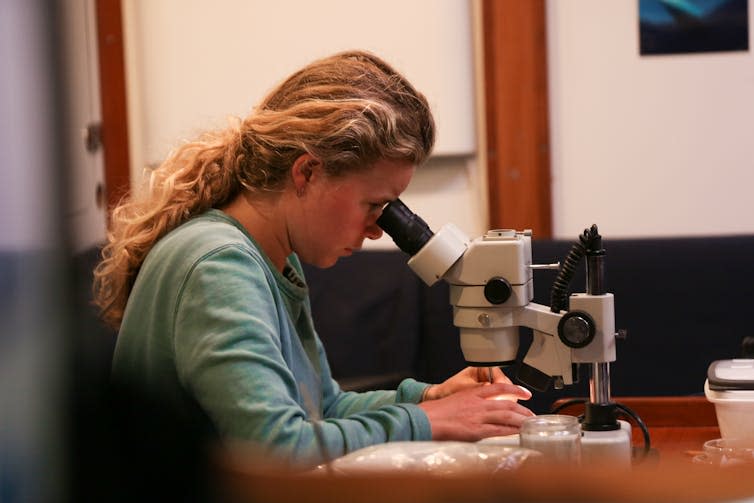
(436, 458)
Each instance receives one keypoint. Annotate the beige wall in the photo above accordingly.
(218, 58)
(657, 146)
(642, 146)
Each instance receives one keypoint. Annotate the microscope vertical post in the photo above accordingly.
(605, 437)
(599, 380)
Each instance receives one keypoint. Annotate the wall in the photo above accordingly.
(217, 59)
(646, 146)
(642, 146)
(86, 213)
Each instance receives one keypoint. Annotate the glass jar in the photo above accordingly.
(556, 436)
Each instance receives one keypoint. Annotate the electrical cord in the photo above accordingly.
(559, 291)
(627, 412)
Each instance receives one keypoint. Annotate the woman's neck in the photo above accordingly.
(264, 220)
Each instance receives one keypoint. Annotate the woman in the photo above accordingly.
(202, 274)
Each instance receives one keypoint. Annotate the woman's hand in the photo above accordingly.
(470, 377)
(472, 413)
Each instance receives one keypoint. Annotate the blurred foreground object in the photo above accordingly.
(682, 482)
(33, 307)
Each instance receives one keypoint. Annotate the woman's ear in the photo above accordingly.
(304, 169)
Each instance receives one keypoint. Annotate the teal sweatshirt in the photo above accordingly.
(210, 321)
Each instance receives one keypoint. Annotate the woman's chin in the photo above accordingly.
(326, 262)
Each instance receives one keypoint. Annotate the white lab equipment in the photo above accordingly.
(730, 386)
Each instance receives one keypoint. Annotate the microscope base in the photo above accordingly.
(607, 446)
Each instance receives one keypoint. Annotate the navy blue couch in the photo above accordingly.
(684, 302)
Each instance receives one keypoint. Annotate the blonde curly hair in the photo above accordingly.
(349, 111)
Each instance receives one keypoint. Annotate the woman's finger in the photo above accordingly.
(501, 389)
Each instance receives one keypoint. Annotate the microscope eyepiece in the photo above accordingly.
(406, 228)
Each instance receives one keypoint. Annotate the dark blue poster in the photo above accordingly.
(689, 26)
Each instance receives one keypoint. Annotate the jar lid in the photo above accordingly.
(727, 375)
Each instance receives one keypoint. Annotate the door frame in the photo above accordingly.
(517, 117)
(111, 51)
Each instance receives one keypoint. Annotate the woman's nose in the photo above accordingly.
(373, 231)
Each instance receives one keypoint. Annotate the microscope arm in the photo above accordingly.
(489, 335)
(494, 332)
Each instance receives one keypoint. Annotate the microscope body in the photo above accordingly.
(491, 291)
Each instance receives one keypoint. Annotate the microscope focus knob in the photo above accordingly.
(576, 329)
(497, 290)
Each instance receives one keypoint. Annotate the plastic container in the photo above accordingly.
(730, 386)
(726, 452)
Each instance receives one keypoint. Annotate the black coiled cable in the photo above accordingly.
(559, 291)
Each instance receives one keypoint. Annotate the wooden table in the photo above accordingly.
(678, 428)
(676, 443)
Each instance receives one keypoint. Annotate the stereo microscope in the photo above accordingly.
(491, 291)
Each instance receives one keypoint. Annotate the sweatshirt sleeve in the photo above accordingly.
(379, 416)
(231, 357)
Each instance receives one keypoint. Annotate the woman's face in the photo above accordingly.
(338, 213)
